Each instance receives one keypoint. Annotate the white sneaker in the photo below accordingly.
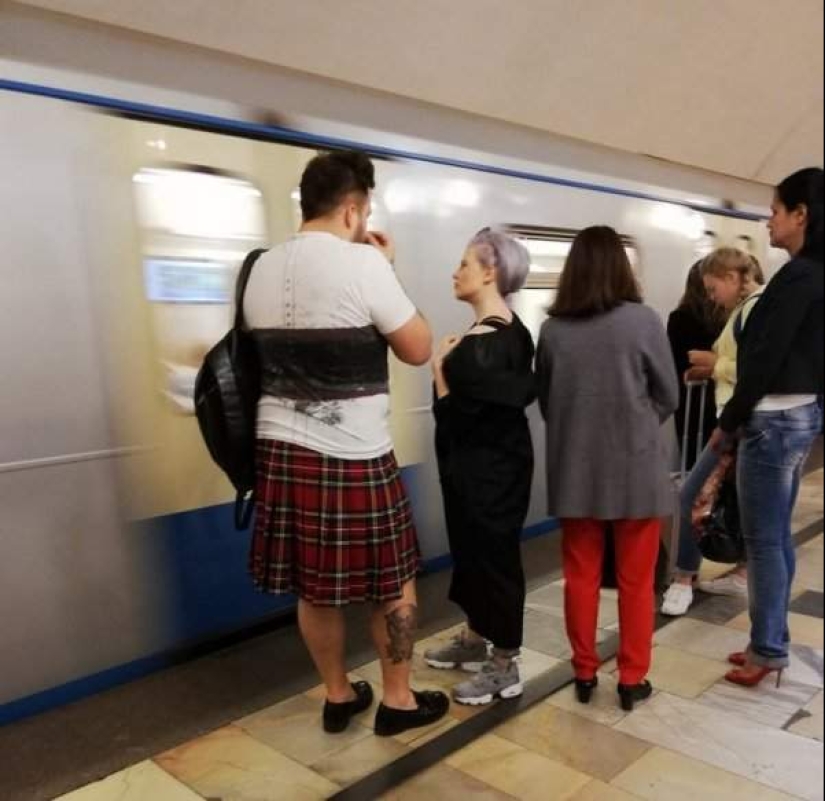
(731, 584)
(677, 600)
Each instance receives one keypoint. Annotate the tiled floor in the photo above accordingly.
(699, 737)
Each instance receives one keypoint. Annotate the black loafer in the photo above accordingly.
(338, 716)
(630, 694)
(432, 707)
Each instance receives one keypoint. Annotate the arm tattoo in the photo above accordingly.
(402, 624)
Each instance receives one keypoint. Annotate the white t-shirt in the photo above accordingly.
(319, 282)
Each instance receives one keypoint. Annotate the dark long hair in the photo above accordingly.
(805, 188)
(597, 276)
(696, 302)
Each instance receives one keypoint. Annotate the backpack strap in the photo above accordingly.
(240, 286)
(244, 509)
(739, 323)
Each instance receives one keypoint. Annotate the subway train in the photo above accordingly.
(123, 225)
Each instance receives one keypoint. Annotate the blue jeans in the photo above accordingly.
(690, 557)
(772, 453)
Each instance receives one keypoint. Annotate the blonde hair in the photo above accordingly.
(732, 260)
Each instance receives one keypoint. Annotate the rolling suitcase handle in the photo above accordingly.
(703, 404)
(678, 480)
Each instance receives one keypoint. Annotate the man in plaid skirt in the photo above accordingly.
(333, 522)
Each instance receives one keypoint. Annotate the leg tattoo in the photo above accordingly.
(402, 624)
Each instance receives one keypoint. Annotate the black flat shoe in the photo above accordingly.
(432, 707)
(338, 716)
(584, 689)
(629, 694)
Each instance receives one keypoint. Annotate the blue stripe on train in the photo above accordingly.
(211, 597)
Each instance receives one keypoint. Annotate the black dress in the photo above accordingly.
(485, 462)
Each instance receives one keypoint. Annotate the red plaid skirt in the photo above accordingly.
(332, 531)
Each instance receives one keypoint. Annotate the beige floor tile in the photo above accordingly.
(232, 765)
(702, 639)
(810, 726)
(357, 761)
(772, 757)
(770, 705)
(807, 666)
(666, 776)
(805, 630)
(139, 783)
(294, 728)
(515, 770)
(809, 572)
(415, 738)
(587, 747)
(549, 601)
(682, 673)
(444, 782)
(603, 708)
(533, 664)
(599, 791)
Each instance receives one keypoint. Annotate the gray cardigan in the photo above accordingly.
(606, 384)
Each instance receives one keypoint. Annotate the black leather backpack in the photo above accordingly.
(227, 391)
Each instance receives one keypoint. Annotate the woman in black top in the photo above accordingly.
(483, 383)
(776, 411)
(694, 326)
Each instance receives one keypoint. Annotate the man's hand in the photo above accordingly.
(383, 243)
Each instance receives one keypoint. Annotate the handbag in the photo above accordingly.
(715, 516)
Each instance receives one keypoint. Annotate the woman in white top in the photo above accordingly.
(734, 280)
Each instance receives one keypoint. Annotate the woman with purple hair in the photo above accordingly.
(484, 381)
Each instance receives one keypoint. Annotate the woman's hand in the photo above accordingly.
(444, 349)
(703, 358)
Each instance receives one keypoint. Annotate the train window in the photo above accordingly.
(196, 225)
(549, 248)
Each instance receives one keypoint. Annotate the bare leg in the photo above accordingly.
(394, 626)
(324, 632)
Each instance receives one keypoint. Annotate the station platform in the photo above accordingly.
(243, 724)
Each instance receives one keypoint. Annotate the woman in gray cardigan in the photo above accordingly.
(607, 382)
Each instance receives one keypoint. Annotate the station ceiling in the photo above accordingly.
(730, 86)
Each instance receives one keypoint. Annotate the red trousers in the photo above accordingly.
(637, 548)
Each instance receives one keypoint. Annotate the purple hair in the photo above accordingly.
(496, 248)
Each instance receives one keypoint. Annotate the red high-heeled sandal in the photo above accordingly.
(744, 679)
(738, 658)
